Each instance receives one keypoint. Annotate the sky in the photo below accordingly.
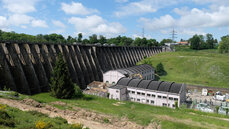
(116, 17)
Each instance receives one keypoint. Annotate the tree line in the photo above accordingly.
(93, 39)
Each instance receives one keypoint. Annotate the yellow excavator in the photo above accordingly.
(138, 75)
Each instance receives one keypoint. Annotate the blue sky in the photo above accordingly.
(116, 17)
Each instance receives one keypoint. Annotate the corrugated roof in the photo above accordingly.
(134, 82)
(136, 69)
(151, 85)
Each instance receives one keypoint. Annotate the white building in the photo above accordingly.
(157, 93)
(144, 71)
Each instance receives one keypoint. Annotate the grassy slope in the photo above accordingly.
(27, 120)
(204, 67)
(144, 114)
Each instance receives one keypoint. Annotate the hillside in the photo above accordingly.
(203, 67)
(112, 113)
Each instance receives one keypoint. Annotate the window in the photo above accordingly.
(148, 95)
(138, 93)
(173, 105)
(113, 83)
(170, 98)
(107, 82)
(164, 97)
(147, 101)
(143, 93)
(175, 99)
(138, 100)
(153, 96)
(133, 92)
(152, 102)
(117, 91)
(164, 104)
(159, 96)
(129, 91)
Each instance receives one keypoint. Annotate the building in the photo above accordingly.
(143, 71)
(157, 93)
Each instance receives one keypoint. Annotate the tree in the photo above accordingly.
(80, 36)
(224, 45)
(102, 39)
(210, 41)
(61, 83)
(93, 39)
(160, 69)
(165, 41)
(195, 42)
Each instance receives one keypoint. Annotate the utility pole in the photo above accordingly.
(173, 33)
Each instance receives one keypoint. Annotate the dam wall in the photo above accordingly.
(27, 67)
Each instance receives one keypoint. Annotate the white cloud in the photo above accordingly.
(121, 1)
(143, 6)
(58, 24)
(189, 19)
(96, 24)
(19, 19)
(20, 6)
(39, 23)
(3, 23)
(77, 8)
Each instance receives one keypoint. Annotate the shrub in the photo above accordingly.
(105, 120)
(43, 125)
(61, 83)
(217, 109)
(76, 126)
(78, 92)
(176, 105)
(160, 69)
(5, 118)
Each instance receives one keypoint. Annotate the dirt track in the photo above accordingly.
(89, 119)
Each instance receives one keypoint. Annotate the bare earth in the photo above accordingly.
(89, 119)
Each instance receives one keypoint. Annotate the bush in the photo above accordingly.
(105, 120)
(61, 83)
(176, 105)
(160, 69)
(43, 125)
(78, 92)
(6, 119)
(76, 126)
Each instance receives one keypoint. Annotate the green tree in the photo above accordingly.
(85, 41)
(210, 41)
(165, 41)
(93, 39)
(224, 45)
(195, 42)
(160, 69)
(80, 36)
(61, 83)
(102, 39)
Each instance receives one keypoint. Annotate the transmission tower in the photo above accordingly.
(143, 33)
(173, 33)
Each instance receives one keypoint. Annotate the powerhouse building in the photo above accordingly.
(157, 93)
(143, 71)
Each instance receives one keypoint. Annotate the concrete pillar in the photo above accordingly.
(96, 61)
(115, 63)
(108, 58)
(78, 69)
(101, 59)
(85, 71)
(29, 70)
(17, 71)
(118, 57)
(39, 69)
(92, 63)
(5, 75)
(71, 67)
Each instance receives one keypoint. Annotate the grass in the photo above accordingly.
(144, 114)
(203, 67)
(27, 120)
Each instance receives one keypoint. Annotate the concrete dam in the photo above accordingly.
(27, 67)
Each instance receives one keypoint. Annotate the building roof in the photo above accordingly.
(135, 69)
(150, 85)
(117, 87)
